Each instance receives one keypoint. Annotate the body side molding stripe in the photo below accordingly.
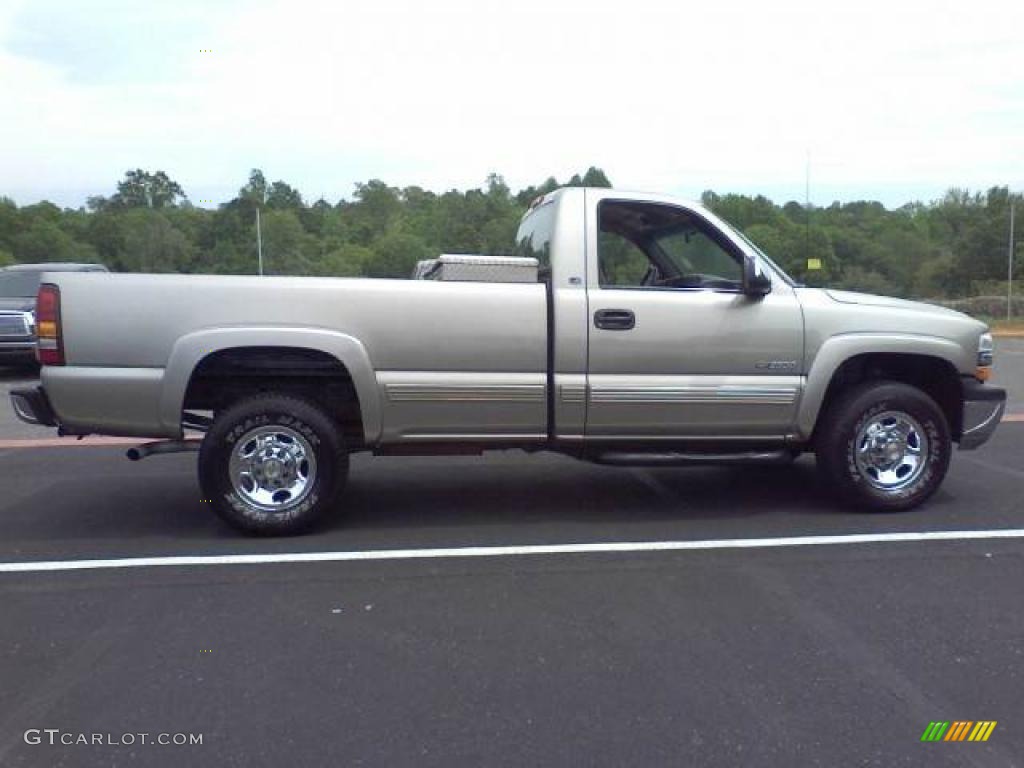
(465, 393)
(730, 393)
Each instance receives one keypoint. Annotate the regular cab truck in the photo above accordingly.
(633, 330)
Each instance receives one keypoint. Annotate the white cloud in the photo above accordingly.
(892, 100)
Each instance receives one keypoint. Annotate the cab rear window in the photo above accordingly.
(534, 237)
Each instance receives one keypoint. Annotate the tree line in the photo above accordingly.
(952, 247)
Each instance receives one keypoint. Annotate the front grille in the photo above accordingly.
(14, 326)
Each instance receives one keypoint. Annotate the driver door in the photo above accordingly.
(676, 349)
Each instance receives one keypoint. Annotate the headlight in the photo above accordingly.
(986, 350)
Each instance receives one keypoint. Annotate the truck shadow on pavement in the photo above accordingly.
(517, 494)
(391, 502)
(563, 490)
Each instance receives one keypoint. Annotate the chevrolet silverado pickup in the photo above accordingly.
(627, 329)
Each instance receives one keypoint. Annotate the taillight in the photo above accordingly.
(50, 349)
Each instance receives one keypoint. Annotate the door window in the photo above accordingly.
(648, 245)
(623, 265)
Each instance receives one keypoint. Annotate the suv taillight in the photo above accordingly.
(50, 349)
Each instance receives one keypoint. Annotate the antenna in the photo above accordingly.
(1009, 267)
(807, 208)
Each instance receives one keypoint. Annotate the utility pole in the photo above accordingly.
(1009, 268)
(259, 241)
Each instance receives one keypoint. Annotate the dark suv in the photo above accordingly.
(18, 287)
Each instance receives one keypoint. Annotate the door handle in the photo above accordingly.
(615, 319)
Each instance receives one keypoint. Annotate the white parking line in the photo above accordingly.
(532, 549)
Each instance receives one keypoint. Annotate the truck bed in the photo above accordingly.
(443, 357)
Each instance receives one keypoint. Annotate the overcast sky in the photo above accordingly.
(891, 100)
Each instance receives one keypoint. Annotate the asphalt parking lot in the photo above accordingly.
(834, 652)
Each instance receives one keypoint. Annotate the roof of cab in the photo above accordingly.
(56, 266)
(619, 194)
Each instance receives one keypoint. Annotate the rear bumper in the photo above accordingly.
(983, 409)
(33, 407)
(107, 401)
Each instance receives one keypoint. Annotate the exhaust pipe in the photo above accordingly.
(140, 452)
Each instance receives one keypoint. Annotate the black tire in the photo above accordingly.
(283, 425)
(854, 475)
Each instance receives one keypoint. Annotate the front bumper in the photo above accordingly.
(983, 409)
(33, 406)
(18, 351)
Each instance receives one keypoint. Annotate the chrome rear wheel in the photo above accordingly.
(273, 468)
(273, 464)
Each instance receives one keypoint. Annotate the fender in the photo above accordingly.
(193, 347)
(838, 349)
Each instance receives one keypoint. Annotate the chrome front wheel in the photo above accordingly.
(883, 445)
(891, 450)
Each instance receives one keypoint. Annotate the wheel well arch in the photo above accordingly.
(935, 376)
(225, 375)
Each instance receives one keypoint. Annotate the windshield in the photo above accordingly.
(15, 285)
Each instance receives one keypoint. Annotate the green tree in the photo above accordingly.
(256, 188)
(857, 278)
(9, 222)
(152, 244)
(349, 260)
(595, 177)
(283, 196)
(376, 206)
(105, 233)
(287, 248)
(396, 254)
(225, 258)
(952, 246)
(141, 189)
(45, 241)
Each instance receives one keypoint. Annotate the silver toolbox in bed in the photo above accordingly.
(481, 269)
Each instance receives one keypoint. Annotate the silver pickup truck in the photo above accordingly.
(646, 332)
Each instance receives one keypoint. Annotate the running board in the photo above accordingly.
(195, 421)
(680, 459)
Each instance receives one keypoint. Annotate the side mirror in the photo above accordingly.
(755, 281)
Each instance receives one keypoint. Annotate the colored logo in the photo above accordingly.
(959, 730)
